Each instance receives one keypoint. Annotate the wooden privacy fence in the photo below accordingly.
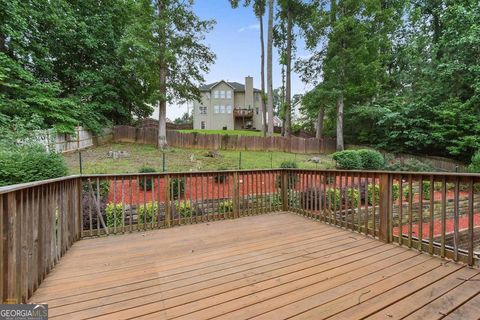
(431, 212)
(63, 142)
(148, 135)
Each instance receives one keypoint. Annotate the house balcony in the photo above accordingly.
(242, 113)
(263, 244)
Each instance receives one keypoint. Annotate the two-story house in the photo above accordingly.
(229, 106)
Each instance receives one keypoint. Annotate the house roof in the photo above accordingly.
(236, 86)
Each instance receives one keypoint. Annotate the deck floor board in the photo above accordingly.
(272, 266)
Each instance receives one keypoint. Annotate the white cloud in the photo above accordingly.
(250, 27)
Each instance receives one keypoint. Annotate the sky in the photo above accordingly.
(235, 40)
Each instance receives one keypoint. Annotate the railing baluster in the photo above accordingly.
(400, 210)
(471, 222)
(444, 217)
(432, 214)
(420, 214)
(456, 214)
(410, 209)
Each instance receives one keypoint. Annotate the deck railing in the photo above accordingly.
(432, 212)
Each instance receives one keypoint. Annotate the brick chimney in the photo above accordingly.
(249, 92)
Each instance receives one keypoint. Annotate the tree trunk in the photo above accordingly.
(340, 145)
(320, 118)
(269, 68)
(162, 105)
(288, 86)
(262, 76)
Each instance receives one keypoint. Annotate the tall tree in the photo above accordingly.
(164, 48)
(270, 68)
(290, 13)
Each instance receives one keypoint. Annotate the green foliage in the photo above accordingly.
(146, 182)
(29, 163)
(114, 215)
(103, 187)
(371, 159)
(145, 213)
(221, 178)
(475, 163)
(288, 165)
(184, 209)
(395, 193)
(348, 159)
(336, 198)
(415, 190)
(177, 188)
(409, 165)
(225, 206)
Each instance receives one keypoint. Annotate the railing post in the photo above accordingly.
(384, 232)
(11, 267)
(284, 189)
(236, 196)
(168, 202)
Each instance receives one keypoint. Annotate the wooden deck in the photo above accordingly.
(272, 266)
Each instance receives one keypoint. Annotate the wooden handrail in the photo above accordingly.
(39, 221)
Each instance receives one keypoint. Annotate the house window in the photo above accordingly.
(202, 125)
(256, 111)
(222, 109)
(203, 110)
(229, 109)
(222, 94)
(207, 95)
(216, 94)
(216, 109)
(229, 94)
(257, 97)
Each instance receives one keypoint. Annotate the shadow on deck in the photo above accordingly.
(271, 266)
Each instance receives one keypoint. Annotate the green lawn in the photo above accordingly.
(96, 160)
(229, 132)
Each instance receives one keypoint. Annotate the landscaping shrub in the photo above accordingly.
(177, 188)
(410, 165)
(289, 165)
(221, 177)
(145, 213)
(29, 163)
(395, 193)
(225, 206)
(292, 176)
(183, 208)
(337, 197)
(348, 160)
(371, 159)
(145, 183)
(113, 214)
(475, 164)
(426, 190)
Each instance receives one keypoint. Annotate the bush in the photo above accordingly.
(114, 215)
(292, 176)
(348, 160)
(371, 159)
(289, 165)
(177, 188)
(145, 213)
(221, 177)
(395, 191)
(183, 208)
(225, 206)
(475, 164)
(337, 198)
(29, 163)
(410, 165)
(426, 191)
(146, 182)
